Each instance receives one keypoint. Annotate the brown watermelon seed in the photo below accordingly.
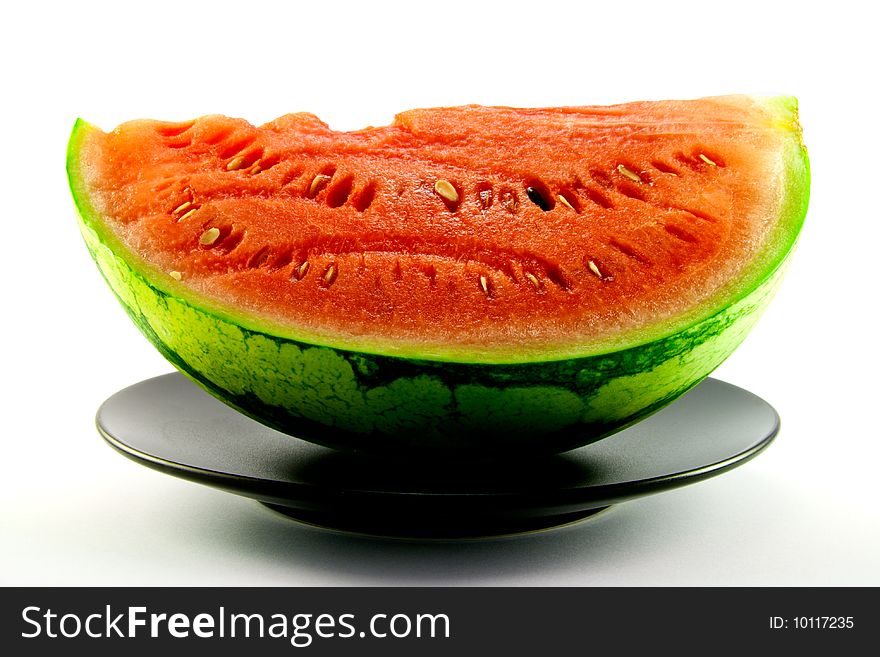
(188, 214)
(628, 173)
(533, 280)
(182, 207)
(445, 189)
(300, 272)
(707, 160)
(330, 275)
(484, 284)
(209, 236)
(595, 269)
(176, 275)
(565, 202)
(318, 183)
(537, 198)
(235, 163)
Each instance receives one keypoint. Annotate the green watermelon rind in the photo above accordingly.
(354, 398)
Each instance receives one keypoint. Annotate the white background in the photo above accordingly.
(74, 512)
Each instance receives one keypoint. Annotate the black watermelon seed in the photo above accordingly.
(537, 198)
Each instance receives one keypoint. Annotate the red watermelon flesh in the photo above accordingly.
(475, 233)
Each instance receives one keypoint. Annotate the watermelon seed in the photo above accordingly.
(235, 163)
(188, 214)
(209, 236)
(538, 199)
(300, 272)
(484, 284)
(176, 275)
(595, 269)
(318, 183)
(628, 173)
(330, 275)
(256, 168)
(565, 202)
(445, 189)
(259, 258)
(486, 198)
(508, 200)
(533, 280)
(182, 207)
(707, 160)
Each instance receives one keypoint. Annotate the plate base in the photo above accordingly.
(432, 528)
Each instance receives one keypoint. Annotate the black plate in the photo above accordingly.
(171, 425)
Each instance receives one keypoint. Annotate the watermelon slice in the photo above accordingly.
(463, 278)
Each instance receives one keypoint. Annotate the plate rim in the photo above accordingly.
(315, 496)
